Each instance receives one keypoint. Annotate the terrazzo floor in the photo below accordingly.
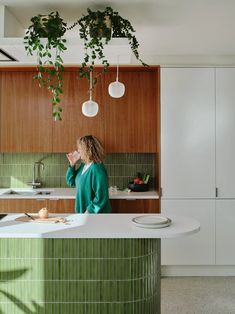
(198, 295)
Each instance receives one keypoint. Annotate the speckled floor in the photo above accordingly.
(198, 295)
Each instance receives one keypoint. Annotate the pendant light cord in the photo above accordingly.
(117, 68)
(90, 85)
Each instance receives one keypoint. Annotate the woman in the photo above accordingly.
(90, 178)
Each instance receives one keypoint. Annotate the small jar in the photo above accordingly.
(43, 213)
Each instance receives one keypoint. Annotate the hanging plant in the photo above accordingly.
(97, 28)
(44, 38)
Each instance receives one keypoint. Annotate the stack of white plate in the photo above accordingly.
(151, 221)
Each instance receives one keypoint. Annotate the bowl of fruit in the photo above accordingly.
(139, 184)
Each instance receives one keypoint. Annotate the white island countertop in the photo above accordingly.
(68, 193)
(95, 226)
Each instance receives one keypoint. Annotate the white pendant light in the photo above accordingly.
(116, 89)
(90, 108)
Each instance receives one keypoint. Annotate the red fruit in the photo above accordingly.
(137, 180)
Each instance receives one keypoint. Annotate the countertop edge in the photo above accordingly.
(70, 194)
(103, 226)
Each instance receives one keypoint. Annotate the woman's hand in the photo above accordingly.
(73, 157)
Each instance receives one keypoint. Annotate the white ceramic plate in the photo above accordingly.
(153, 221)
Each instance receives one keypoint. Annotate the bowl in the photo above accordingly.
(138, 187)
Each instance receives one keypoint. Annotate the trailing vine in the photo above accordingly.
(49, 28)
(97, 28)
(44, 38)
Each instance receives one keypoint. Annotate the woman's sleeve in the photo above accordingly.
(71, 175)
(100, 188)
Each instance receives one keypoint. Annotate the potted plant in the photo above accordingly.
(97, 28)
(44, 37)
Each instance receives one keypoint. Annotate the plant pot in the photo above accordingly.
(104, 31)
(51, 26)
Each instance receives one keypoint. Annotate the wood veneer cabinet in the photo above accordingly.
(68, 205)
(135, 206)
(132, 122)
(74, 124)
(127, 124)
(34, 205)
(21, 205)
(61, 206)
(26, 114)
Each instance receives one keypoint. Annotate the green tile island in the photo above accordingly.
(95, 264)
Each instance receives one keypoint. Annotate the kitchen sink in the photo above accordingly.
(23, 192)
(43, 193)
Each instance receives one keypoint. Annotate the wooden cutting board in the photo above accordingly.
(38, 219)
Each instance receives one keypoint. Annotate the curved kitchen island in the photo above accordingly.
(95, 264)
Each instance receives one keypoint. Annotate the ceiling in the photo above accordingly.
(169, 31)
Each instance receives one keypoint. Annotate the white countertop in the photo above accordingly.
(95, 226)
(69, 193)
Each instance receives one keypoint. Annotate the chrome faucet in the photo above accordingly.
(36, 174)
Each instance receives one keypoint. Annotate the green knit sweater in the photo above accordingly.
(91, 188)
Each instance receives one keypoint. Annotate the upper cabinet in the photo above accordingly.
(127, 124)
(188, 132)
(74, 124)
(25, 115)
(225, 132)
(197, 132)
(131, 122)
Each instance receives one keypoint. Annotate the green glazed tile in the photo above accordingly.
(131, 158)
(117, 259)
(63, 183)
(52, 182)
(1, 170)
(121, 168)
(51, 159)
(63, 159)
(108, 159)
(26, 170)
(6, 170)
(130, 170)
(63, 169)
(52, 170)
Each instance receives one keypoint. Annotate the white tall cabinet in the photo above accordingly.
(225, 132)
(188, 160)
(188, 132)
(225, 166)
(198, 162)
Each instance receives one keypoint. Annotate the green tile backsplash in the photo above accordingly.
(16, 169)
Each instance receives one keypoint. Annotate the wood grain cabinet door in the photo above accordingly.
(74, 124)
(26, 114)
(131, 121)
(121, 206)
(21, 205)
(61, 206)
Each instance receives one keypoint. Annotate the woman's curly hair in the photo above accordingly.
(92, 148)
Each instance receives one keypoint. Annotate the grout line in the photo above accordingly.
(80, 258)
(85, 302)
(89, 280)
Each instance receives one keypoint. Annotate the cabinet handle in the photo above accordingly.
(216, 192)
